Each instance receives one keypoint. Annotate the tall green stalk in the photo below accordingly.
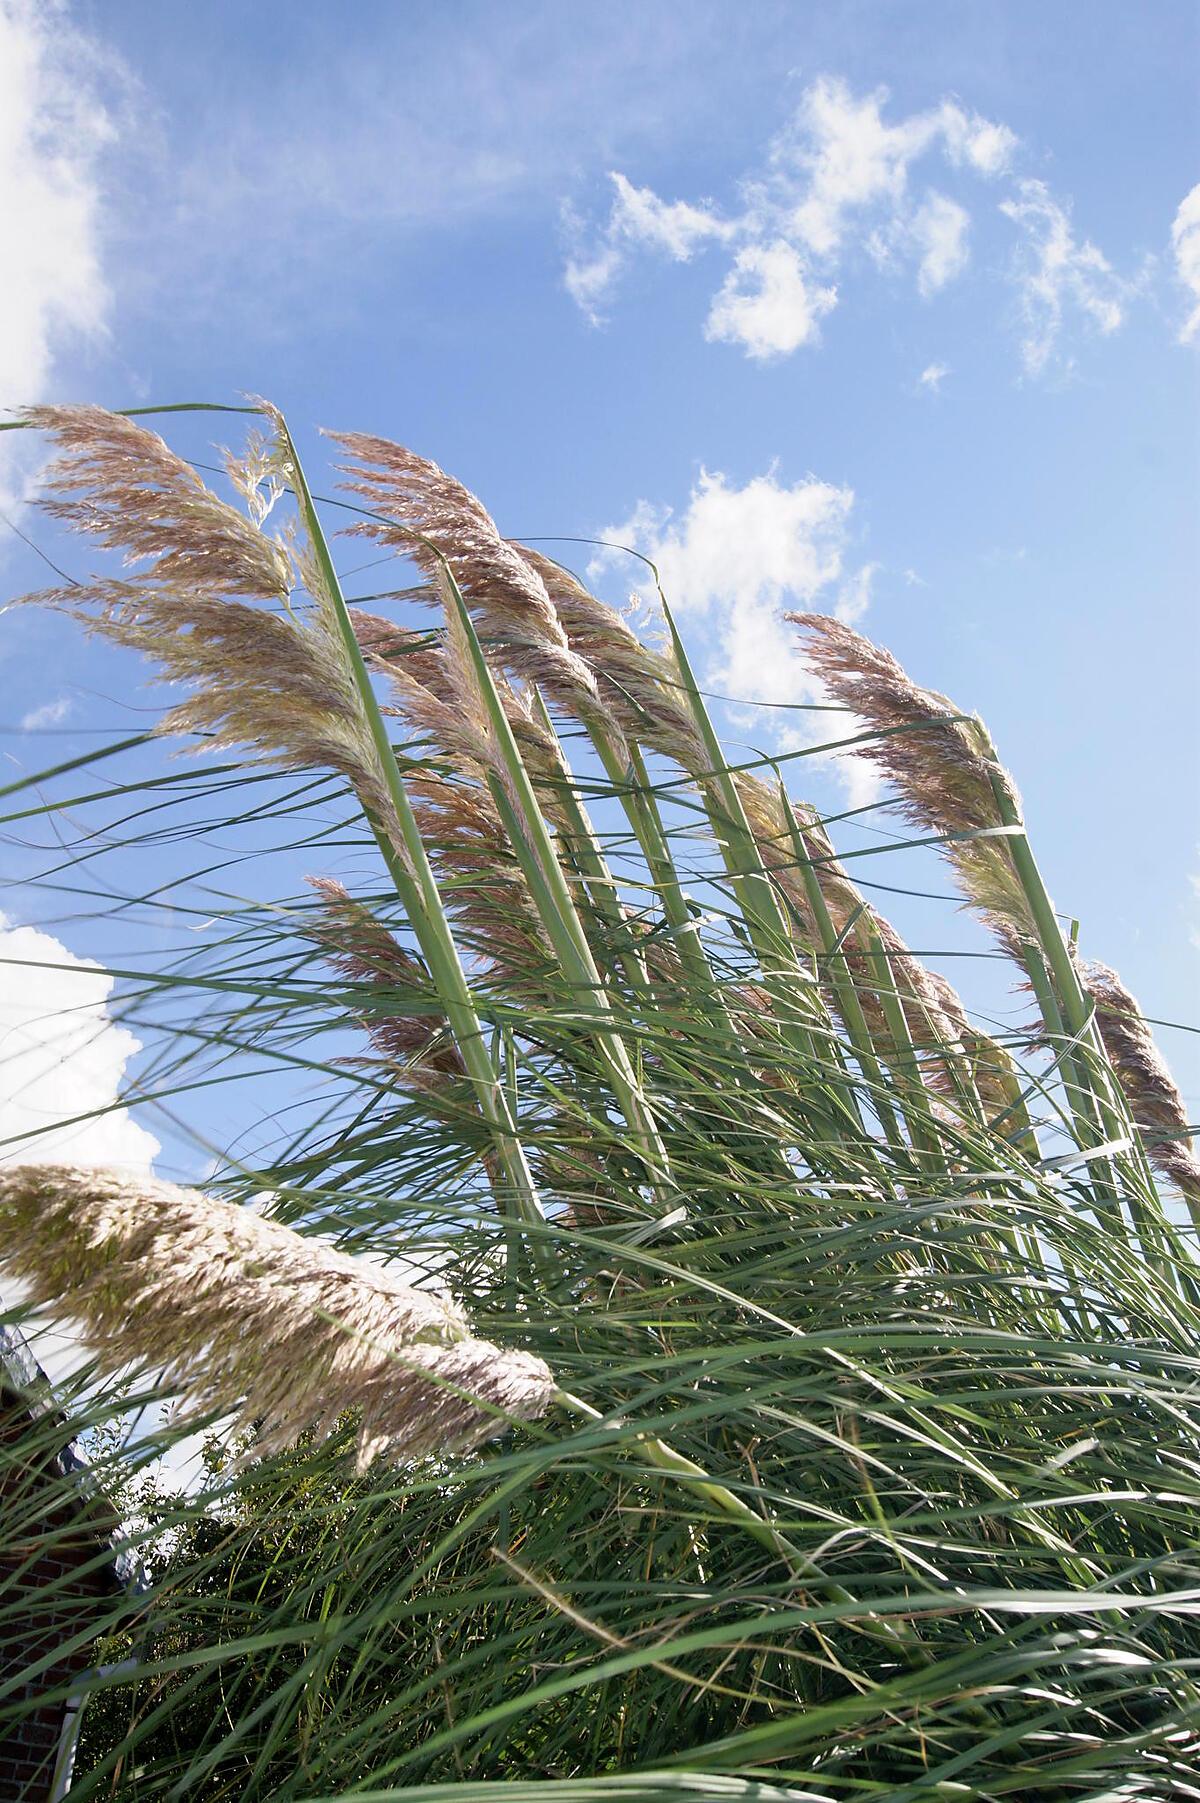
(417, 885)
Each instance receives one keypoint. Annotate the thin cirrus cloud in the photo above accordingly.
(49, 714)
(1058, 273)
(1185, 243)
(732, 561)
(843, 184)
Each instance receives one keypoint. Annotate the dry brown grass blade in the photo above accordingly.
(251, 1319)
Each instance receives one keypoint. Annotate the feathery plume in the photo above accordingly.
(417, 1047)
(249, 1318)
(640, 687)
(361, 948)
(438, 698)
(1150, 1089)
(942, 763)
(125, 486)
(517, 619)
(276, 682)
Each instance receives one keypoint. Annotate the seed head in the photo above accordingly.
(250, 1318)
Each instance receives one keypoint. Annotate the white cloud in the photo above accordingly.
(675, 227)
(854, 595)
(1185, 242)
(590, 276)
(983, 144)
(734, 561)
(638, 219)
(845, 158)
(835, 180)
(939, 231)
(837, 184)
(53, 131)
(62, 1056)
(933, 375)
(50, 713)
(766, 303)
(1057, 272)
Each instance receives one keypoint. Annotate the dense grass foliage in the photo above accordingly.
(872, 1461)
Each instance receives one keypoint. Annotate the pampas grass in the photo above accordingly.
(857, 1341)
(250, 1319)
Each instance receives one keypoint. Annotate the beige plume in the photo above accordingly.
(249, 1318)
(943, 764)
(274, 681)
(125, 486)
(517, 620)
(1154, 1100)
(361, 948)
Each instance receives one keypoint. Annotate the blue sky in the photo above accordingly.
(881, 307)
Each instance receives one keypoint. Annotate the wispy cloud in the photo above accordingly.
(1057, 274)
(390, 132)
(55, 128)
(839, 161)
(638, 220)
(1185, 242)
(835, 180)
(933, 375)
(50, 713)
(730, 563)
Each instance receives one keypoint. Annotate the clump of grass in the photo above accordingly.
(850, 1349)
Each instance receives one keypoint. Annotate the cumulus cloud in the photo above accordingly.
(843, 158)
(835, 179)
(1185, 242)
(845, 184)
(732, 562)
(767, 303)
(1058, 273)
(62, 1057)
(933, 375)
(54, 130)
